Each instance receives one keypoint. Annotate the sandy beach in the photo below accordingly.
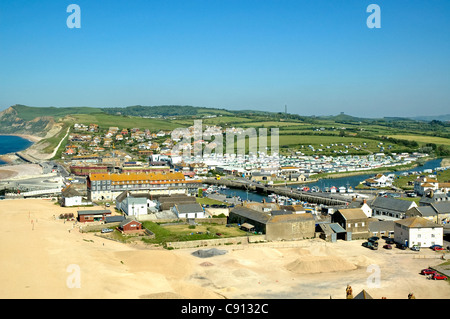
(44, 257)
(19, 170)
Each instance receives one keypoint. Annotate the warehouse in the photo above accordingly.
(275, 227)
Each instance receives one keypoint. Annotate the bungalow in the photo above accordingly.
(192, 210)
(418, 231)
(92, 215)
(130, 225)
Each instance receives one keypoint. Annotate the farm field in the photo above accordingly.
(423, 139)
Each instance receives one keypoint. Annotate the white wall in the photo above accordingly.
(424, 237)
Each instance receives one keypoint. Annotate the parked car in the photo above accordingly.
(427, 272)
(371, 245)
(401, 246)
(107, 230)
(389, 241)
(437, 247)
(374, 239)
(437, 276)
(415, 248)
(387, 246)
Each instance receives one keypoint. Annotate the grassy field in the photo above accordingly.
(183, 232)
(423, 139)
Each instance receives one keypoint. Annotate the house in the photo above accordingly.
(130, 225)
(363, 205)
(438, 212)
(418, 231)
(192, 210)
(379, 180)
(353, 220)
(432, 197)
(262, 176)
(423, 184)
(92, 215)
(386, 208)
(70, 197)
(275, 227)
(135, 204)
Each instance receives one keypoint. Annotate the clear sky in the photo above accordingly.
(318, 57)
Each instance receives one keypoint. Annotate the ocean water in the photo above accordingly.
(10, 144)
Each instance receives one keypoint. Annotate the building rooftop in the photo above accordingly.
(417, 222)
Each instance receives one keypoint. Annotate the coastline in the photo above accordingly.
(31, 138)
(11, 158)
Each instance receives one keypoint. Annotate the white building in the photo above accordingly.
(135, 204)
(189, 211)
(71, 197)
(418, 231)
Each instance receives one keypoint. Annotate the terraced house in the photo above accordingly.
(105, 187)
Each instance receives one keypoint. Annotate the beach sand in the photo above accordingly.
(19, 170)
(42, 259)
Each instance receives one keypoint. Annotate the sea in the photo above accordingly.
(11, 144)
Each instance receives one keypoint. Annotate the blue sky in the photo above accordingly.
(318, 57)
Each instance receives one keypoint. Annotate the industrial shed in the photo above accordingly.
(332, 232)
(275, 227)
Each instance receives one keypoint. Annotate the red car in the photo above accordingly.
(438, 248)
(387, 246)
(438, 277)
(427, 272)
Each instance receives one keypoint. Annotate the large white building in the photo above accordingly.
(418, 231)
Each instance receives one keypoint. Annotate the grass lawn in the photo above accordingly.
(209, 201)
(182, 232)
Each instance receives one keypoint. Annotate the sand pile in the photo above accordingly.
(319, 264)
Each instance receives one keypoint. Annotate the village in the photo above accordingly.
(158, 201)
